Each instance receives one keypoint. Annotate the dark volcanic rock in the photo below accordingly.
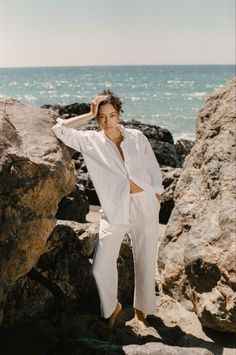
(74, 206)
(62, 280)
(71, 110)
(165, 153)
(151, 131)
(170, 179)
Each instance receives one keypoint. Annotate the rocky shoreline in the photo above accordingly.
(48, 299)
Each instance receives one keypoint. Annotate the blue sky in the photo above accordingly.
(116, 32)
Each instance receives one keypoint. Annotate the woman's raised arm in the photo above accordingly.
(78, 120)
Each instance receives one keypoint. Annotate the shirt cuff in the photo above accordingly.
(59, 127)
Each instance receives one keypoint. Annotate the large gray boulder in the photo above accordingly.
(197, 253)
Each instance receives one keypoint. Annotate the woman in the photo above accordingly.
(128, 182)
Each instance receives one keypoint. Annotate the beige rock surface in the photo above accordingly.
(35, 173)
(197, 253)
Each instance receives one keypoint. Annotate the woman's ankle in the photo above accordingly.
(139, 314)
(113, 317)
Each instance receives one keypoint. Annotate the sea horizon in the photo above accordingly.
(114, 65)
(165, 95)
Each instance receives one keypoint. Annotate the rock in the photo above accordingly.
(52, 299)
(161, 349)
(67, 263)
(197, 253)
(170, 179)
(150, 131)
(35, 173)
(83, 237)
(27, 301)
(62, 278)
(162, 142)
(74, 206)
(93, 346)
(171, 330)
(71, 110)
(183, 148)
(165, 153)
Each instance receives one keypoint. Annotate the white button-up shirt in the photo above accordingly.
(111, 174)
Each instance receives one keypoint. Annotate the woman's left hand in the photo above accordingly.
(95, 103)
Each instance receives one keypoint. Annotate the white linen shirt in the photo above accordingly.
(111, 174)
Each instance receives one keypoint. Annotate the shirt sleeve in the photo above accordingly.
(71, 137)
(152, 165)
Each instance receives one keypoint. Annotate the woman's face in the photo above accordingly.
(107, 117)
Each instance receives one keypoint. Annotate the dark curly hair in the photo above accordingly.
(112, 99)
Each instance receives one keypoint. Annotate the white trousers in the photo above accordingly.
(143, 231)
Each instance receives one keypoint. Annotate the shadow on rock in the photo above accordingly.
(227, 340)
(175, 336)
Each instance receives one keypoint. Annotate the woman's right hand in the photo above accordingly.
(95, 104)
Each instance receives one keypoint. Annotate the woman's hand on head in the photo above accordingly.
(95, 104)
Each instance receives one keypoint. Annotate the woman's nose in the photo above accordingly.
(107, 119)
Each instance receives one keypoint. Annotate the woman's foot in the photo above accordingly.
(140, 319)
(114, 315)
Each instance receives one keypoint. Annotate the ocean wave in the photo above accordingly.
(184, 135)
(173, 82)
(64, 95)
(135, 98)
(30, 97)
(181, 117)
(196, 94)
(48, 85)
(13, 83)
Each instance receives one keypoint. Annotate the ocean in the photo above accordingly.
(169, 96)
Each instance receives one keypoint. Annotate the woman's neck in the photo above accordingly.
(115, 135)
